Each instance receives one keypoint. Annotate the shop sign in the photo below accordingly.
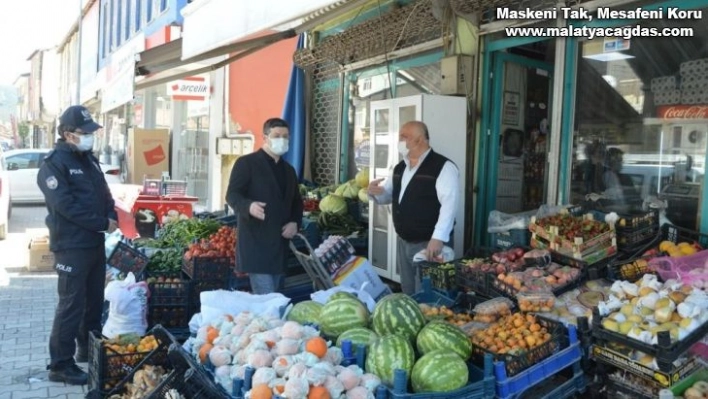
(194, 88)
(683, 112)
(120, 75)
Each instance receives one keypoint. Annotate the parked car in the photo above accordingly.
(5, 204)
(22, 167)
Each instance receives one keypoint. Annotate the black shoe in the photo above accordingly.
(72, 375)
(81, 355)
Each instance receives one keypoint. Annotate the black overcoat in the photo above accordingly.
(261, 247)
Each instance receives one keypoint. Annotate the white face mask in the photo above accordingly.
(279, 145)
(85, 142)
(403, 149)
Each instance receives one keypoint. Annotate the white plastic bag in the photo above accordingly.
(127, 312)
(446, 255)
(220, 302)
(112, 241)
(322, 296)
(500, 222)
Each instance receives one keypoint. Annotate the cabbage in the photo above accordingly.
(362, 178)
(348, 190)
(334, 204)
(364, 195)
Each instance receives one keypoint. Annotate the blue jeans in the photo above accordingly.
(266, 283)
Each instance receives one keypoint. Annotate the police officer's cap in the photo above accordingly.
(79, 117)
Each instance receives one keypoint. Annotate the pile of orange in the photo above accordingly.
(513, 334)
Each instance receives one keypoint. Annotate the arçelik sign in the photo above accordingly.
(194, 88)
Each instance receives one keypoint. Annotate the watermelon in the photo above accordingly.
(388, 354)
(441, 335)
(397, 314)
(341, 315)
(439, 371)
(358, 336)
(342, 295)
(305, 312)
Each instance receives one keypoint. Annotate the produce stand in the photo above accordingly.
(493, 298)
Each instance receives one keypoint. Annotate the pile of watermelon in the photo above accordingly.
(397, 336)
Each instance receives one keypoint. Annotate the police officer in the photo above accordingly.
(81, 209)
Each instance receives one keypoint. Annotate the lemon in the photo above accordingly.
(684, 244)
(665, 245)
(687, 250)
(674, 252)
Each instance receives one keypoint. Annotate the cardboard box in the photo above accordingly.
(41, 259)
(357, 272)
(148, 154)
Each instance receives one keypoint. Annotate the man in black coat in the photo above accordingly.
(80, 208)
(263, 189)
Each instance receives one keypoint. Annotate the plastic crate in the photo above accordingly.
(188, 378)
(510, 386)
(577, 246)
(629, 240)
(511, 239)
(212, 268)
(127, 259)
(442, 275)
(678, 234)
(665, 351)
(199, 286)
(551, 389)
(658, 378)
(176, 188)
(430, 296)
(499, 287)
(480, 385)
(507, 365)
(629, 269)
(109, 371)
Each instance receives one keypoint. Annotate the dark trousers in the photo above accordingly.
(82, 277)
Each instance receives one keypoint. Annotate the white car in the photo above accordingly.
(5, 205)
(22, 167)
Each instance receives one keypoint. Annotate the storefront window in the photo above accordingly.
(641, 122)
(423, 79)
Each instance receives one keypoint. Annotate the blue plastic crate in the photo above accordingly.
(480, 385)
(511, 387)
(432, 296)
(511, 239)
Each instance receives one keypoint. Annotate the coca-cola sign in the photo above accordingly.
(682, 112)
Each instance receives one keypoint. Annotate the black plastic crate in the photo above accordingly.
(634, 239)
(211, 268)
(189, 378)
(127, 259)
(199, 286)
(168, 289)
(109, 369)
(499, 287)
(240, 282)
(515, 364)
(665, 351)
(511, 239)
(442, 275)
(678, 234)
(631, 269)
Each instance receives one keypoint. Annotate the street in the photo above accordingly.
(27, 303)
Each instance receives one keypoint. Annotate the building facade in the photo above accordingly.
(42, 97)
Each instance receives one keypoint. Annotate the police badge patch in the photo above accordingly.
(52, 182)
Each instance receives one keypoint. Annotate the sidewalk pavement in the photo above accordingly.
(27, 303)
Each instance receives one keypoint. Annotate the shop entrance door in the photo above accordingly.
(515, 177)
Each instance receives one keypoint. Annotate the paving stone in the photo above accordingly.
(65, 390)
(29, 394)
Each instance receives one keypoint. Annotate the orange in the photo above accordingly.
(317, 346)
(318, 392)
(204, 352)
(261, 391)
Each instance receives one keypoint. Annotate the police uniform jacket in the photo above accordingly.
(77, 196)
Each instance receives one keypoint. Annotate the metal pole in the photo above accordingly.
(78, 56)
